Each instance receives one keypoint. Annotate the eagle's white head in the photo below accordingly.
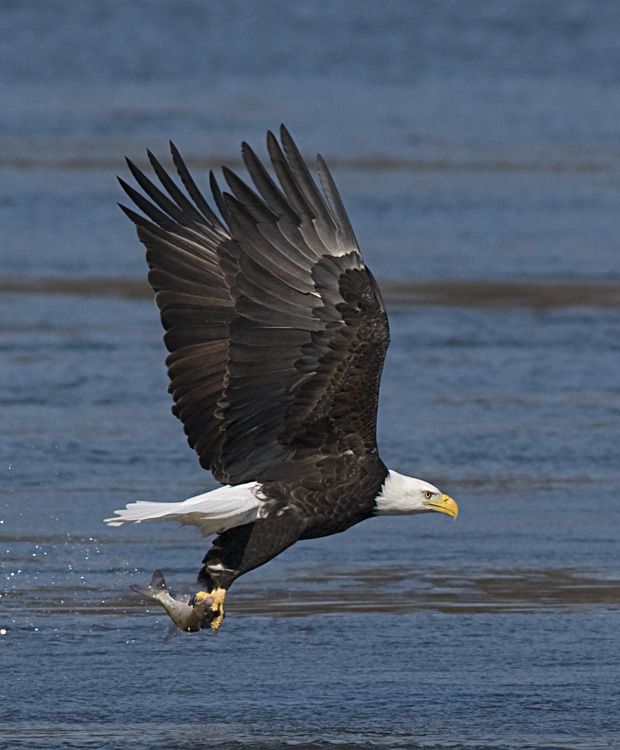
(402, 495)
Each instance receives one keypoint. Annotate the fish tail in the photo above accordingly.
(157, 585)
(158, 581)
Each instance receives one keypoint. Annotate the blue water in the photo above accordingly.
(472, 142)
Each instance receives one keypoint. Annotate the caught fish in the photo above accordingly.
(185, 616)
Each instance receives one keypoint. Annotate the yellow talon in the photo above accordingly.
(218, 595)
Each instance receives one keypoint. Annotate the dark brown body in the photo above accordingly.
(295, 512)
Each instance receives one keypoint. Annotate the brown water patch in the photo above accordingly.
(382, 590)
(478, 294)
(49, 156)
(503, 295)
(83, 287)
(373, 590)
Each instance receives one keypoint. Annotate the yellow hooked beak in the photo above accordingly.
(445, 505)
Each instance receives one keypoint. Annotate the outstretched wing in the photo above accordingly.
(276, 329)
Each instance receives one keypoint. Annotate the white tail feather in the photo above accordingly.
(213, 512)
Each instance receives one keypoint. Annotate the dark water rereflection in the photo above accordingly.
(344, 590)
(486, 294)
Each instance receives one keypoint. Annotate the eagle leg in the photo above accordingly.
(239, 550)
(218, 594)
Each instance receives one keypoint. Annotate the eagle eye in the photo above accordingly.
(427, 494)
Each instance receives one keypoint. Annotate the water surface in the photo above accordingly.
(476, 147)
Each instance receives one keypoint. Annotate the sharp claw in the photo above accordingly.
(217, 597)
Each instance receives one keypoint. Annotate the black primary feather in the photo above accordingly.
(276, 329)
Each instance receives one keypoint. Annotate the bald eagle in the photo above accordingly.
(277, 334)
